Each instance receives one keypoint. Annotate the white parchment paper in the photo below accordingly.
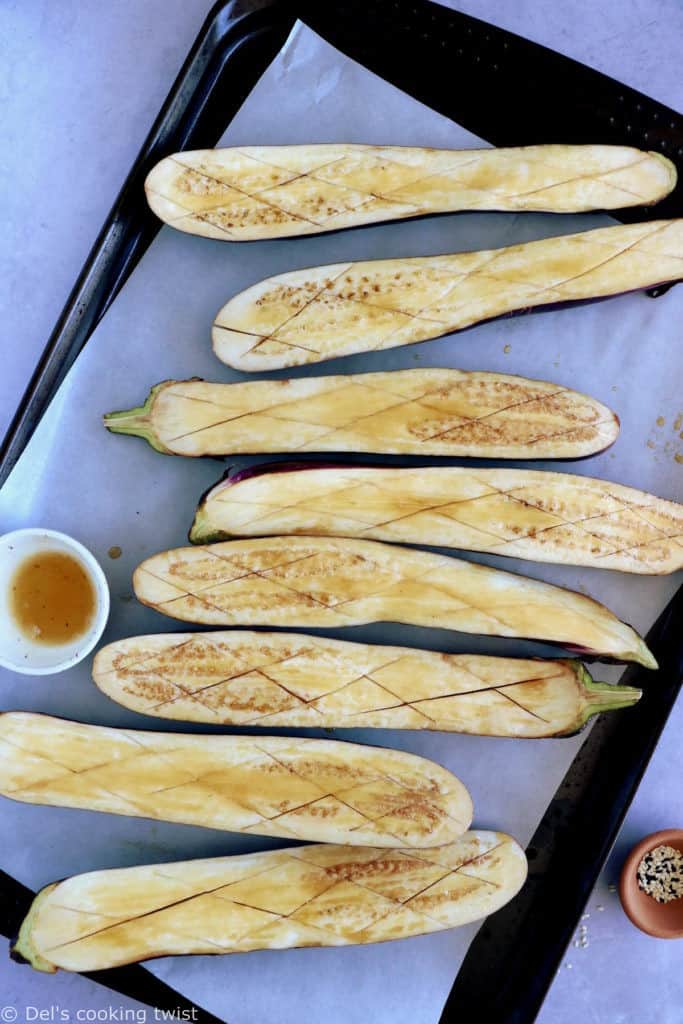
(113, 491)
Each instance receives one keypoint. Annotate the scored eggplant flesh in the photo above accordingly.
(545, 517)
(278, 191)
(293, 680)
(305, 316)
(409, 412)
(299, 896)
(320, 790)
(334, 581)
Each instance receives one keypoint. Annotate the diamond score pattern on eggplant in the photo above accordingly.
(309, 315)
(524, 514)
(433, 412)
(289, 679)
(305, 896)
(339, 581)
(275, 191)
(265, 785)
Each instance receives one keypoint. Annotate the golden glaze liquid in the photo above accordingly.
(52, 599)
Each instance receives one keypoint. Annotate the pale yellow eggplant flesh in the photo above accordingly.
(278, 191)
(334, 581)
(545, 517)
(282, 899)
(290, 680)
(404, 412)
(320, 790)
(306, 316)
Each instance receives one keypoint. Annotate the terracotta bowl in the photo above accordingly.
(663, 920)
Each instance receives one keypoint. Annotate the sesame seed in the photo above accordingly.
(660, 874)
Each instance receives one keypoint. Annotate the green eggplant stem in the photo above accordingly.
(21, 948)
(201, 531)
(137, 421)
(601, 697)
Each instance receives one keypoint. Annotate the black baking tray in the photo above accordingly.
(232, 50)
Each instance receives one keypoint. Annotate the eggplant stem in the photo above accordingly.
(201, 531)
(138, 421)
(601, 697)
(22, 949)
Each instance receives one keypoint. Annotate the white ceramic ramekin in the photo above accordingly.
(19, 653)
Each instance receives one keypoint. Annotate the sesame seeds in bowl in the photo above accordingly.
(651, 884)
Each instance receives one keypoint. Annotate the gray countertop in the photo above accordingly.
(81, 82)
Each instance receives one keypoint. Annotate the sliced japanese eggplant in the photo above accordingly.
(299, 896)
(321, 790)
(278, 191)
(335, 581)
(546, 517)
(409, 412)
(292, 680)
(305, 316)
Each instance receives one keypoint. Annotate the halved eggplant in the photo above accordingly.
(321, 790)
(279, 191)
(299, 896)
(334, 581)
(408, 412)
(305, 316)
(292, 680)
(546, 517)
